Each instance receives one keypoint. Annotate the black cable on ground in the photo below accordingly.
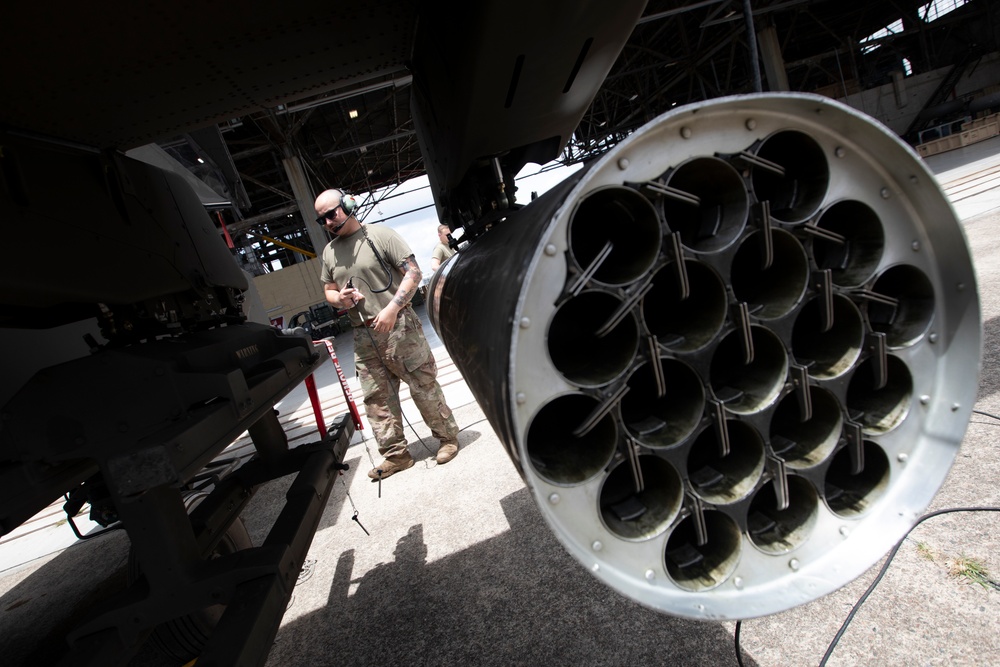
(985, 414)
(871, 588)
(739, 651)
(472, 424)
(885, 567)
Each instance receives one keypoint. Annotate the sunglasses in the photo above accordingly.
(329, 215)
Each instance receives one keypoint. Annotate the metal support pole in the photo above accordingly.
(305, 198)
(774, 64)
(752, 42)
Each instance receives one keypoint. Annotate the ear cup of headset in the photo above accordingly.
(348, 203)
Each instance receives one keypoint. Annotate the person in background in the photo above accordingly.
(442, 250)
(371, 271)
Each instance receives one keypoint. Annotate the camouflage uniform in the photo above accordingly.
(405, 356)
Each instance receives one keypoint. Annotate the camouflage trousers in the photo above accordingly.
(382, 360)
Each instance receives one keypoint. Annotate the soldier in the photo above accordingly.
(372, 271)
(442, 250)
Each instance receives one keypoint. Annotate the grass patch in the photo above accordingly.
(966, 567)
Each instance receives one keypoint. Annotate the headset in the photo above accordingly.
(348, 202)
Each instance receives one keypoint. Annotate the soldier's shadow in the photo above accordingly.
(515, 599)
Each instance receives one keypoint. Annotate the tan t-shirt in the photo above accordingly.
(347, 257)
(442, 252)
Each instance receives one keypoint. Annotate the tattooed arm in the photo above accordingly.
(412, 276)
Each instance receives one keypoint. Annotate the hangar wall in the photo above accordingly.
(291, 290)
(896, 104)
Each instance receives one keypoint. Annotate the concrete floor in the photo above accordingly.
(459, 567)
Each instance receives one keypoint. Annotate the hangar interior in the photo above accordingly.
(259, 107)
(917, 66)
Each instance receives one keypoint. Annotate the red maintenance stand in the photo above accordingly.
(314, 394)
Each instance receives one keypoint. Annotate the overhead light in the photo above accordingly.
(200, 161)
(353, 113)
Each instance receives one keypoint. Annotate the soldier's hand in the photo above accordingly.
(385, 320)
(351, 297)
